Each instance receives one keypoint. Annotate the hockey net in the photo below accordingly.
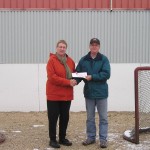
(142, 105)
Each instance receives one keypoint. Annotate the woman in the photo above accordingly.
(59, 91)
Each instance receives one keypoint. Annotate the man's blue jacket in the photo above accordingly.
(99, 69)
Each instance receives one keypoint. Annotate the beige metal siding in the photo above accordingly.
(29, 36)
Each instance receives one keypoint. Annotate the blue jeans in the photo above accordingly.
(101, 105)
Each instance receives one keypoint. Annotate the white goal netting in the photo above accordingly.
(144, 98)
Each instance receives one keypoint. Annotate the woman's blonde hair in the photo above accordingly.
(62, 41)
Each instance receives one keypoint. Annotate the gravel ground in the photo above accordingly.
(29, 131)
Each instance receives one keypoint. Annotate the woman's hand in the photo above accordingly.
(73, 82)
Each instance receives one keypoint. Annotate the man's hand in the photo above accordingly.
(88, 77)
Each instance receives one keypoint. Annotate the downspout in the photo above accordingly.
(111, 7)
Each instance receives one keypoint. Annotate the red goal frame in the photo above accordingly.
(134, 134)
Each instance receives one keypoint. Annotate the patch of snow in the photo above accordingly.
(145, 128)
(129, 133)
(131, 146)
(49, 149)
(35, 126)
(146, 142)
(16, 131)
(113, 136)
(2, 131)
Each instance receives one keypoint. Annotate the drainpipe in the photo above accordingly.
(111, 5)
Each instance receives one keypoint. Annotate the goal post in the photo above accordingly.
(142, 105)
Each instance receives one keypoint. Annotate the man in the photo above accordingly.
(97, 67)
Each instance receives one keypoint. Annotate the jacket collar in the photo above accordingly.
(98, 56)
(54, 55)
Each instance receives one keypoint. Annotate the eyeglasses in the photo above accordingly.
(62, 47)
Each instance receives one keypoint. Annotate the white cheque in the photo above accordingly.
(79, 75)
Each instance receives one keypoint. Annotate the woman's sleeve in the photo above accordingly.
(53, 77)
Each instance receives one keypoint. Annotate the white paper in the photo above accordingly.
(79, 75)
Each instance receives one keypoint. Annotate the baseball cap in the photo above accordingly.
(95, 40)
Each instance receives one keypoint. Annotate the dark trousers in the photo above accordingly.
(58, 109)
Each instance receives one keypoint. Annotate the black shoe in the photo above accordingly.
(103, 144)
(65, 142)
(54, 144)
(88, 142)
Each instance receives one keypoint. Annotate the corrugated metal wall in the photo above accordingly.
(75, 4)
(29, 36)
